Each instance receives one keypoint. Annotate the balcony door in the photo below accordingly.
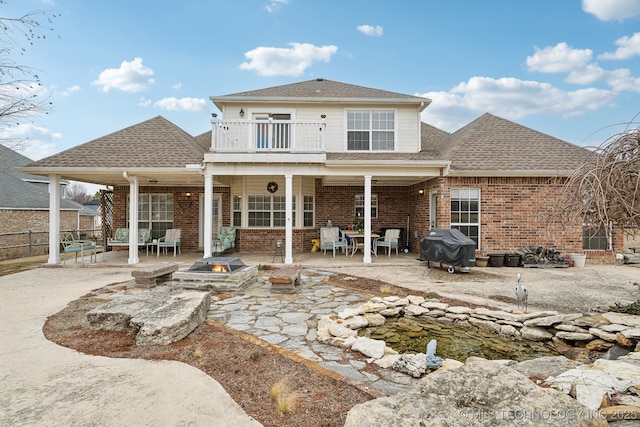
(272, 131)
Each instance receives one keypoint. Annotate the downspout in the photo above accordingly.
(133, 218)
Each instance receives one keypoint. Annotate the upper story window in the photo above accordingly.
(370, 130)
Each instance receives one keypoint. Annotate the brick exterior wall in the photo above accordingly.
(514, 213)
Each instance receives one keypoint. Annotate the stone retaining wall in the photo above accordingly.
(590, 331)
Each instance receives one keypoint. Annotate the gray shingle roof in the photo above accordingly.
(155, 143)
(16, 192)
(321, 89)
(491, 143)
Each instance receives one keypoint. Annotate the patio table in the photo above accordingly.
(357, 239)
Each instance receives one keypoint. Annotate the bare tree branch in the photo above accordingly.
(78, 193)
(21, 93)
(605, 191)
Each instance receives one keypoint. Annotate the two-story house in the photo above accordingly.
(283, 161)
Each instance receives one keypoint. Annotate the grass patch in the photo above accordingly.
(7, 268)
(284, 399)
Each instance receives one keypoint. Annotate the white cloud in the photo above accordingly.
(130, 77)
(609, 10)
(34, 142)
(273, 61)
(558, 59)
(510, 98)
(371, 31)
(182, 104)
(177, 86)
(621, 80)
(275, 5)
(589, 74)
(628, 47)
(69, 91)
(144, 102)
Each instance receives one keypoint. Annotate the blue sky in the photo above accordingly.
(567, 68)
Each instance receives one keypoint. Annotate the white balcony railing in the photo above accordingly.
(267, 136)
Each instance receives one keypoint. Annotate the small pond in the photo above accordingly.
(407, 335)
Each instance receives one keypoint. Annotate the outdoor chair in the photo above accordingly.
(170, 240)
(70, 245)
(389, 241)
(331, 239)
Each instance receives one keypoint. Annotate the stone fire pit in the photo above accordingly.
(228, 274)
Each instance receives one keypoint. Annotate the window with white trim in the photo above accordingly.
(269, 211)
(371, 130)
(308, 209)
(359, 203)
(465, 212)
(237, 211)
(155, 211)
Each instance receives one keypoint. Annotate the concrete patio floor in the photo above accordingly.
(592, 288)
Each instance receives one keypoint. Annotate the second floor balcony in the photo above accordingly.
(251, 136)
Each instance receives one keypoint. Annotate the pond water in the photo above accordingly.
(407, 335)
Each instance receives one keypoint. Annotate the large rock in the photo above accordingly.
(412, 364)
(158, 316)
(369, 347)
(480, 393)
(545, 367)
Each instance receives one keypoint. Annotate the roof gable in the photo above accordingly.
(491, 143)
(153, 143)
(320, 90)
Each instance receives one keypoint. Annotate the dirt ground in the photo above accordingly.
(247, 368)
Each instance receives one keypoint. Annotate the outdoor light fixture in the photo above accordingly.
(241, 112)
(421, 191)
(185, 204)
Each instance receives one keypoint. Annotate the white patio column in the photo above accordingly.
(54, 219)
(208, 214)
(133, 218)
(288, 189)
(367, 220)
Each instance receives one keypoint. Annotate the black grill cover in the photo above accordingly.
(448, 246)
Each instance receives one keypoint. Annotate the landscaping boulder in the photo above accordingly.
(480, 393)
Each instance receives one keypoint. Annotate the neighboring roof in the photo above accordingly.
(15, 190)
(155, 143)
(320, 90)
(10, 159)
(491, 144)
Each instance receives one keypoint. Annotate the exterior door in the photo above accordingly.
(433, 209)
(272, 131)
(216, 214)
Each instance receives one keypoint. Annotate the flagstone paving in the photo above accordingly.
(289, 321)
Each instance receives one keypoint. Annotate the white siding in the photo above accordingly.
(407, 121)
